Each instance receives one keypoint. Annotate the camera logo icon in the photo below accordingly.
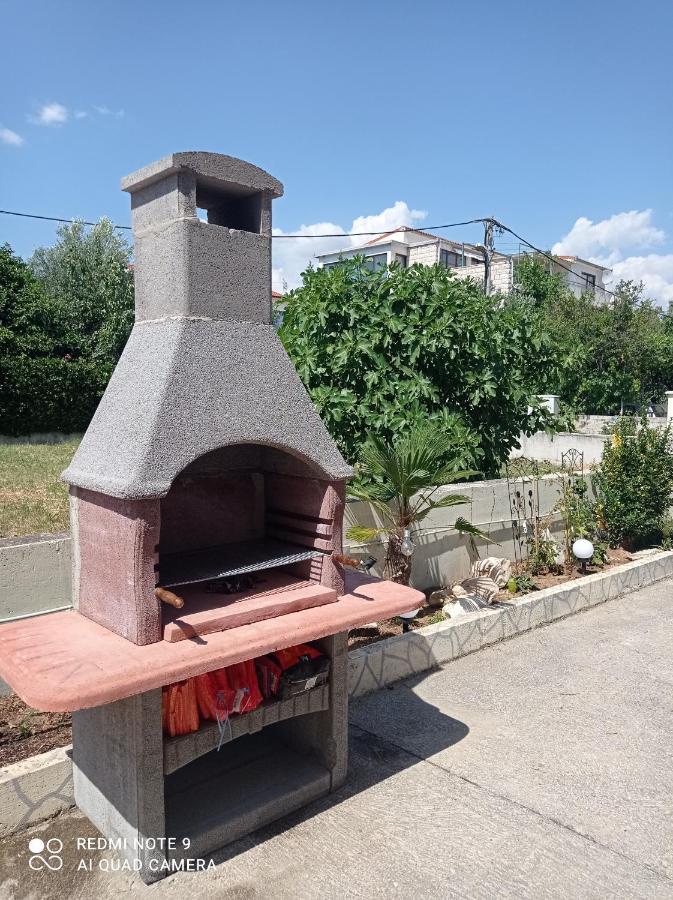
(45, 855)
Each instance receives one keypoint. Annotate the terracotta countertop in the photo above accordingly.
(62, 661)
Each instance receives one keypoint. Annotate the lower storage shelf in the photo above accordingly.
(226, 795)
(184, 749)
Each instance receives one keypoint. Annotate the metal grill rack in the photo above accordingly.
(239, 558)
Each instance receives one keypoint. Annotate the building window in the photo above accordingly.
(590, 281)
(376, 262)
(449, 259)
(401, 260)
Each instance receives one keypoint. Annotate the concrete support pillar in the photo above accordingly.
(119, 779)
(669, 404)
(551, 401)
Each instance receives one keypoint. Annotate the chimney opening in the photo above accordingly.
(230, 206)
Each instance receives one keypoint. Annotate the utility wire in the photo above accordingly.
(552, 259)
(499, 225)
(372, 233)
(8, 212)
(339, 234)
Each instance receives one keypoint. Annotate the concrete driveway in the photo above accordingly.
(541, 767)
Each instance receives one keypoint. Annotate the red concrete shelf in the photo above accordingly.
(276, 594)
(63, 661)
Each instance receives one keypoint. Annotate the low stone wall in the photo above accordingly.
(544, 447)
(442, 555)
(377, 665)
(597, 424)
(35, 789)
(35, 575)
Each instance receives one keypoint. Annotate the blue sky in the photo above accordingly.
(541, 115)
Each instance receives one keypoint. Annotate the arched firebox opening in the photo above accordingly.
(247, 532)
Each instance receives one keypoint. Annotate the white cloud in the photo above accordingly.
(106, 111)
(632, 229)
(655, 271)
(611, 243)
(7, 136)
(80, 114)
(50, 114)
(388, 219)
(292, 256)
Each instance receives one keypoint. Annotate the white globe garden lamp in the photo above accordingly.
(583, 550)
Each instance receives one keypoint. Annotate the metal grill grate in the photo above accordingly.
(229, 559)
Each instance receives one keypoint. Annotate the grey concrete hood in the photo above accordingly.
(184, 387)
(203, 367)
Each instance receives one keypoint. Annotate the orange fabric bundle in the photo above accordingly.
(206, 695)
(224, 693)
(242, 678)
(180, 713)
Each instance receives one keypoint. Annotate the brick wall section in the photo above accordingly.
(424, 254)
(428, 255)
(501, 274)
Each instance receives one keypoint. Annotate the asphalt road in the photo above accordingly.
(540, 767)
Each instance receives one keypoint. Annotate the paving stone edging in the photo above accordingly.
(373, 667)
(40, 787)
(35, 789)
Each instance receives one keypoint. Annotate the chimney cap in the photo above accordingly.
(240, 177)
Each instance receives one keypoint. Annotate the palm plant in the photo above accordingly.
(400, 479)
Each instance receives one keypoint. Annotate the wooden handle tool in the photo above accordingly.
(169, 597)
(347, 561)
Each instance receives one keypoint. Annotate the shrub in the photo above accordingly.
(47, 394)
(634, 482)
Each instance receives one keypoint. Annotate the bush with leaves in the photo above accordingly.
(64, 320)
(634, 482)
(400, 479)
(379, 351)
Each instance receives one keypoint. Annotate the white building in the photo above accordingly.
(408, 246)
(585, 277)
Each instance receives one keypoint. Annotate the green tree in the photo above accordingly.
(534, 280)
(400, 480)
(64, 320)
(87, 273)
(613, 353)
(380, 351)
(30, 321)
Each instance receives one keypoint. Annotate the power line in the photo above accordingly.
(339, 234)
(499, 225)
(546, 255)
(8, 212)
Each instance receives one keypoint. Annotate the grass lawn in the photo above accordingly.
(32, 498)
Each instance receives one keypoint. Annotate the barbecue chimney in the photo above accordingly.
(205, 456)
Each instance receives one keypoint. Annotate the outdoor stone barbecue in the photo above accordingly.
(207, 502)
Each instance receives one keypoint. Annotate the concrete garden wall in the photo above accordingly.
(541, 446)
(442, 555)
(35, 572)
(596, 424)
